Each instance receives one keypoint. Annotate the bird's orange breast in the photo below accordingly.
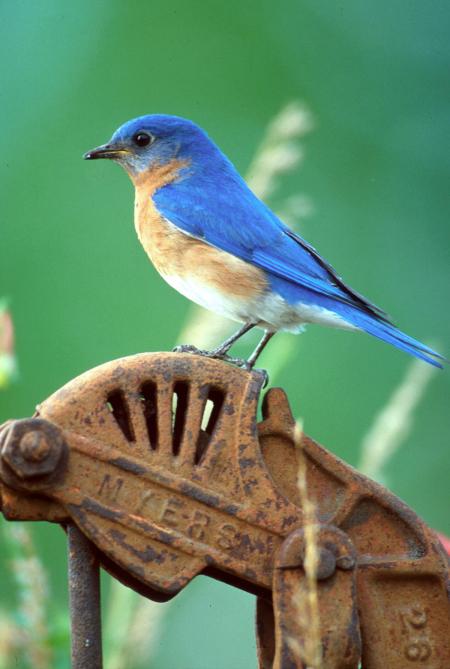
(176, 254)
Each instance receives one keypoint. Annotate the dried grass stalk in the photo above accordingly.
(306, 600)
(280, 151)
(133, 628)
(393, 423)
(31, 579)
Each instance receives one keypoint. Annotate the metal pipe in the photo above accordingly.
(84, 602)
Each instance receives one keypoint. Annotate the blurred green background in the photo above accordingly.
(376, 169)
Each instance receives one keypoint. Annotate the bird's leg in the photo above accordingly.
(249, 364)
(228, 343)
(221, 351)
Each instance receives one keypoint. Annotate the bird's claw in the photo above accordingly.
(216, 354)
(189, 348)
(262, 372)
(249, 367)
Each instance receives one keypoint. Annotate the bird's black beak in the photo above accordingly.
(106, 151)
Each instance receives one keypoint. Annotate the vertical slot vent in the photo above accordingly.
(211, 415)
(118, 406)
(149, 399)
(179, 409)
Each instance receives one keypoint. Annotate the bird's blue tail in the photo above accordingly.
(389, 333)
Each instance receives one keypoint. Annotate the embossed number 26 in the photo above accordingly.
(414, 622)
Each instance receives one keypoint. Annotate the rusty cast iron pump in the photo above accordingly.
(158, 491)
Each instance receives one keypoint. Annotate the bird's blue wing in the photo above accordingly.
(233, 219)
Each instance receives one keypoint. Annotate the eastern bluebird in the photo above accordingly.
(214, 241)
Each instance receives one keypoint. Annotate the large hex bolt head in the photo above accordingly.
(32, 448)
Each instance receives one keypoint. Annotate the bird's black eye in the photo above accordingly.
(142, 138)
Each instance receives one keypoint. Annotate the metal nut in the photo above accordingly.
(32, 447)
(327, 564)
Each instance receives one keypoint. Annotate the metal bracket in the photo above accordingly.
(336, 585)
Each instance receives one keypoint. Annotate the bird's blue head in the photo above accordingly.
(154, 140)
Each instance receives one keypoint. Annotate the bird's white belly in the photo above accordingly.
(269, 310)
(235, 308)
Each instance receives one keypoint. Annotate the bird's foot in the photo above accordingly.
(218, 354)
(215, 354)
(188, 348)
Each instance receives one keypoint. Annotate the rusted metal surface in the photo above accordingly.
(84, 601)
(160, 462)
(336, 585)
